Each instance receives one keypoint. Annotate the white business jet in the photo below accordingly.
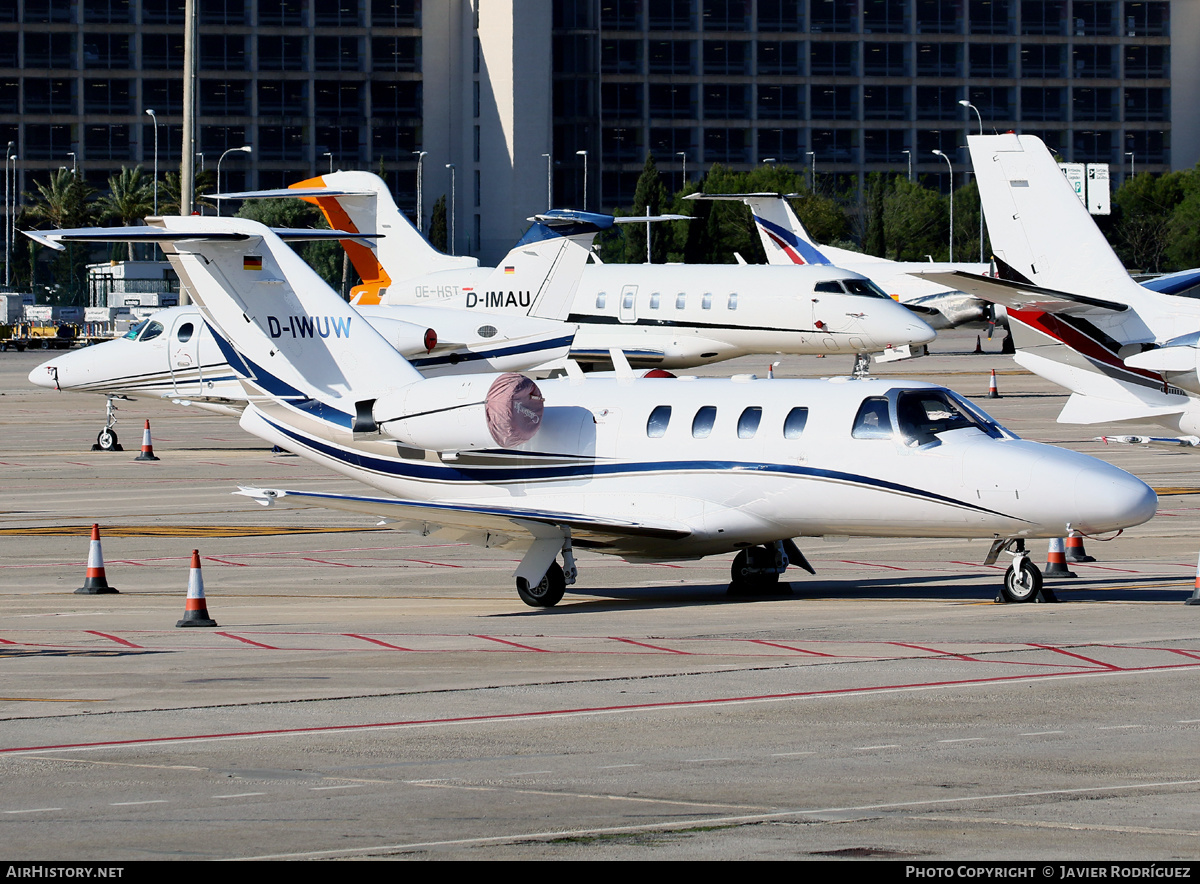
(1126, 352)
(173, 354)
(645, 469)
(664, 316)
(787, 243)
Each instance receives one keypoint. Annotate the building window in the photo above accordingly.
(337, 98)
(671, 15)
(939, 16)
(784, 145)
(281, 12)
(336, 12)
(725, 15)
(780, 15)
(1040, 17)
(283, 97)
(106, 142)
(222, 12)
(884, 16)
(725, 102)
(395, 99)
(884, 60)
(884, 145)
(1045, 60)
(726, 146)
(834, 16)
(396, 54)
(1042, 104)
(1146, 104)
(837, 59)
(1093, 103)
(107, 12)
(1146, 62)
(780, 103)
(166, 12)
(222, 97)
(395, 13)
(671, 56)
(337, 54)
(165, 95)
(991, 16)
(780, 58)
(834, 102)
(57, 96)
(621, 99)
(1091, 62)
(993, 102)
(672, 101)
(621, 56)
(885, 102)
(990, 60)
(726, 57)
(938, 103)
(1094, 18)
(620, 15)
(49, 50)
(938, 59)
(221, 52)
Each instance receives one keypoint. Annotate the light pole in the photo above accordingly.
(908, 153)
(813, 178)
(770, 161)
(938, 153)
(201, 155)
(154, 117)
(450, 166)
(8, 225)
(966, 103)
(329, 154)
(549, 182)
(1128, 153)
(74, 164)
(682, 154)
(245, 148)
(421, 154)
(583, 153)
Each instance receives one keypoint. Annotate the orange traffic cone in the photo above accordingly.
(95, 583)
(195, 612)
(147, 445)
(993, 393)
(1075, 550)
(978, 345)
(1056, 560)
(1194, 598)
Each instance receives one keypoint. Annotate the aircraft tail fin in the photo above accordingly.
(543, 270)
(1039, 229)
(783, 237)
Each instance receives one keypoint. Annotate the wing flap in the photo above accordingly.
(1022, 296)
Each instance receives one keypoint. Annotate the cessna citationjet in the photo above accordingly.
(645, 469)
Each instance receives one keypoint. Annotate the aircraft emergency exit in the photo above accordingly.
(645, 469)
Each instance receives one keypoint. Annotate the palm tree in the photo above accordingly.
(63, 203)
(129, 200)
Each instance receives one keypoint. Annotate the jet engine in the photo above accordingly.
(459, 413)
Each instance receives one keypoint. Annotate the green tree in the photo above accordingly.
(875, 242)
(170, 193)
(130, 199)
(65, 201)
(439, 233)
(1183, 230)
(649, 198)
(1145, 205)
(915, 221)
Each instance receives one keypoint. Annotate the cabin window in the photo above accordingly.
(153, 330)
(864, 287)
(794, 423)
(185, 332)
(681, 300)
(829, 285)
(749, 421)
(873, 420)
(656, 426)
(702, 423)
(732, 305)
(706, 301)
(601, 297)
(627, 301)
(654, 299)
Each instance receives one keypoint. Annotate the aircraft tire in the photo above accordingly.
(1024, 588)
(744, 582)
(546, 594)
(106, 440)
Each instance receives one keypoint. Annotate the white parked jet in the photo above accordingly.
(787, 243)
(666, 316)
(662, 469)
(1126, 353)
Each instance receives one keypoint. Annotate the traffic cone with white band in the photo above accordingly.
(147, 445)
(95, 583)
(1075, 550)
(1194, 599)
(993, 393)
(1056, 560)
(195, 612)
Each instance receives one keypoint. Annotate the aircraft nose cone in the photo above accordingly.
(1108, 498)
(44, 375)
(920, 331)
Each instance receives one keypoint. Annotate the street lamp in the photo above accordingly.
(908, 153)
(938, 153)
(245, 148)
(329, 154)
(966, 103)
(549, 182)
(1132, 163)
(74, 164)
(8, 219)
(453, 201)
(682, 154)
(770, 161)
(421, 154)
(154, 117)
(813, 182)
(583, 153)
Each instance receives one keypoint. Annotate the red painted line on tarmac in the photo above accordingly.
(977, 565)
(424, 562)
(78, 464)
(119, 641)
(513, 644)
(224, 562)
(325, 562)
(140, 564)
(247, 641)
(213, 463)
(872, 565)
(630, 641)
(1077, 656)
(582, 710)
(759, 641)
(1193, 655)
(935, 651)
(376, 641)
(666, 565)
(4, 641)
(1104, 567)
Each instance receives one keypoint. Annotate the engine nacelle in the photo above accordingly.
(460, 413)
(408, 338)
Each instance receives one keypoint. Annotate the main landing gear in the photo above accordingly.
(756, 569)
(106, 440)
(549, 589)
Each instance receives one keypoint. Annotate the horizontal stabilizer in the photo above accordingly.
(1022, 296)
(289, 193)
(54, 239)
(1082, 409)
(478, 517)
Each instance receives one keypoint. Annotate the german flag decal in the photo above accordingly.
(252, 262)
(510, 270)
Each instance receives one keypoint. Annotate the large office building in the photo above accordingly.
(510, 105)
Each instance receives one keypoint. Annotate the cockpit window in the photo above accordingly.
(864, 287)
(872, 420)
(153, 330)
(925, 414)
(136, 330)
(829, 285)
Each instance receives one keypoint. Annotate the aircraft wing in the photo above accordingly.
(54, 239)
(477, 523)
(1173, 442)
(1022, 296)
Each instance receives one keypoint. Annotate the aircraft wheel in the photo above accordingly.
(107, 440)
(1024, 586)
(546, 594)
(744, 581)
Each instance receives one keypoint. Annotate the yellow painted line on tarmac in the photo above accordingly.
(1173, 490)
(177, 531)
